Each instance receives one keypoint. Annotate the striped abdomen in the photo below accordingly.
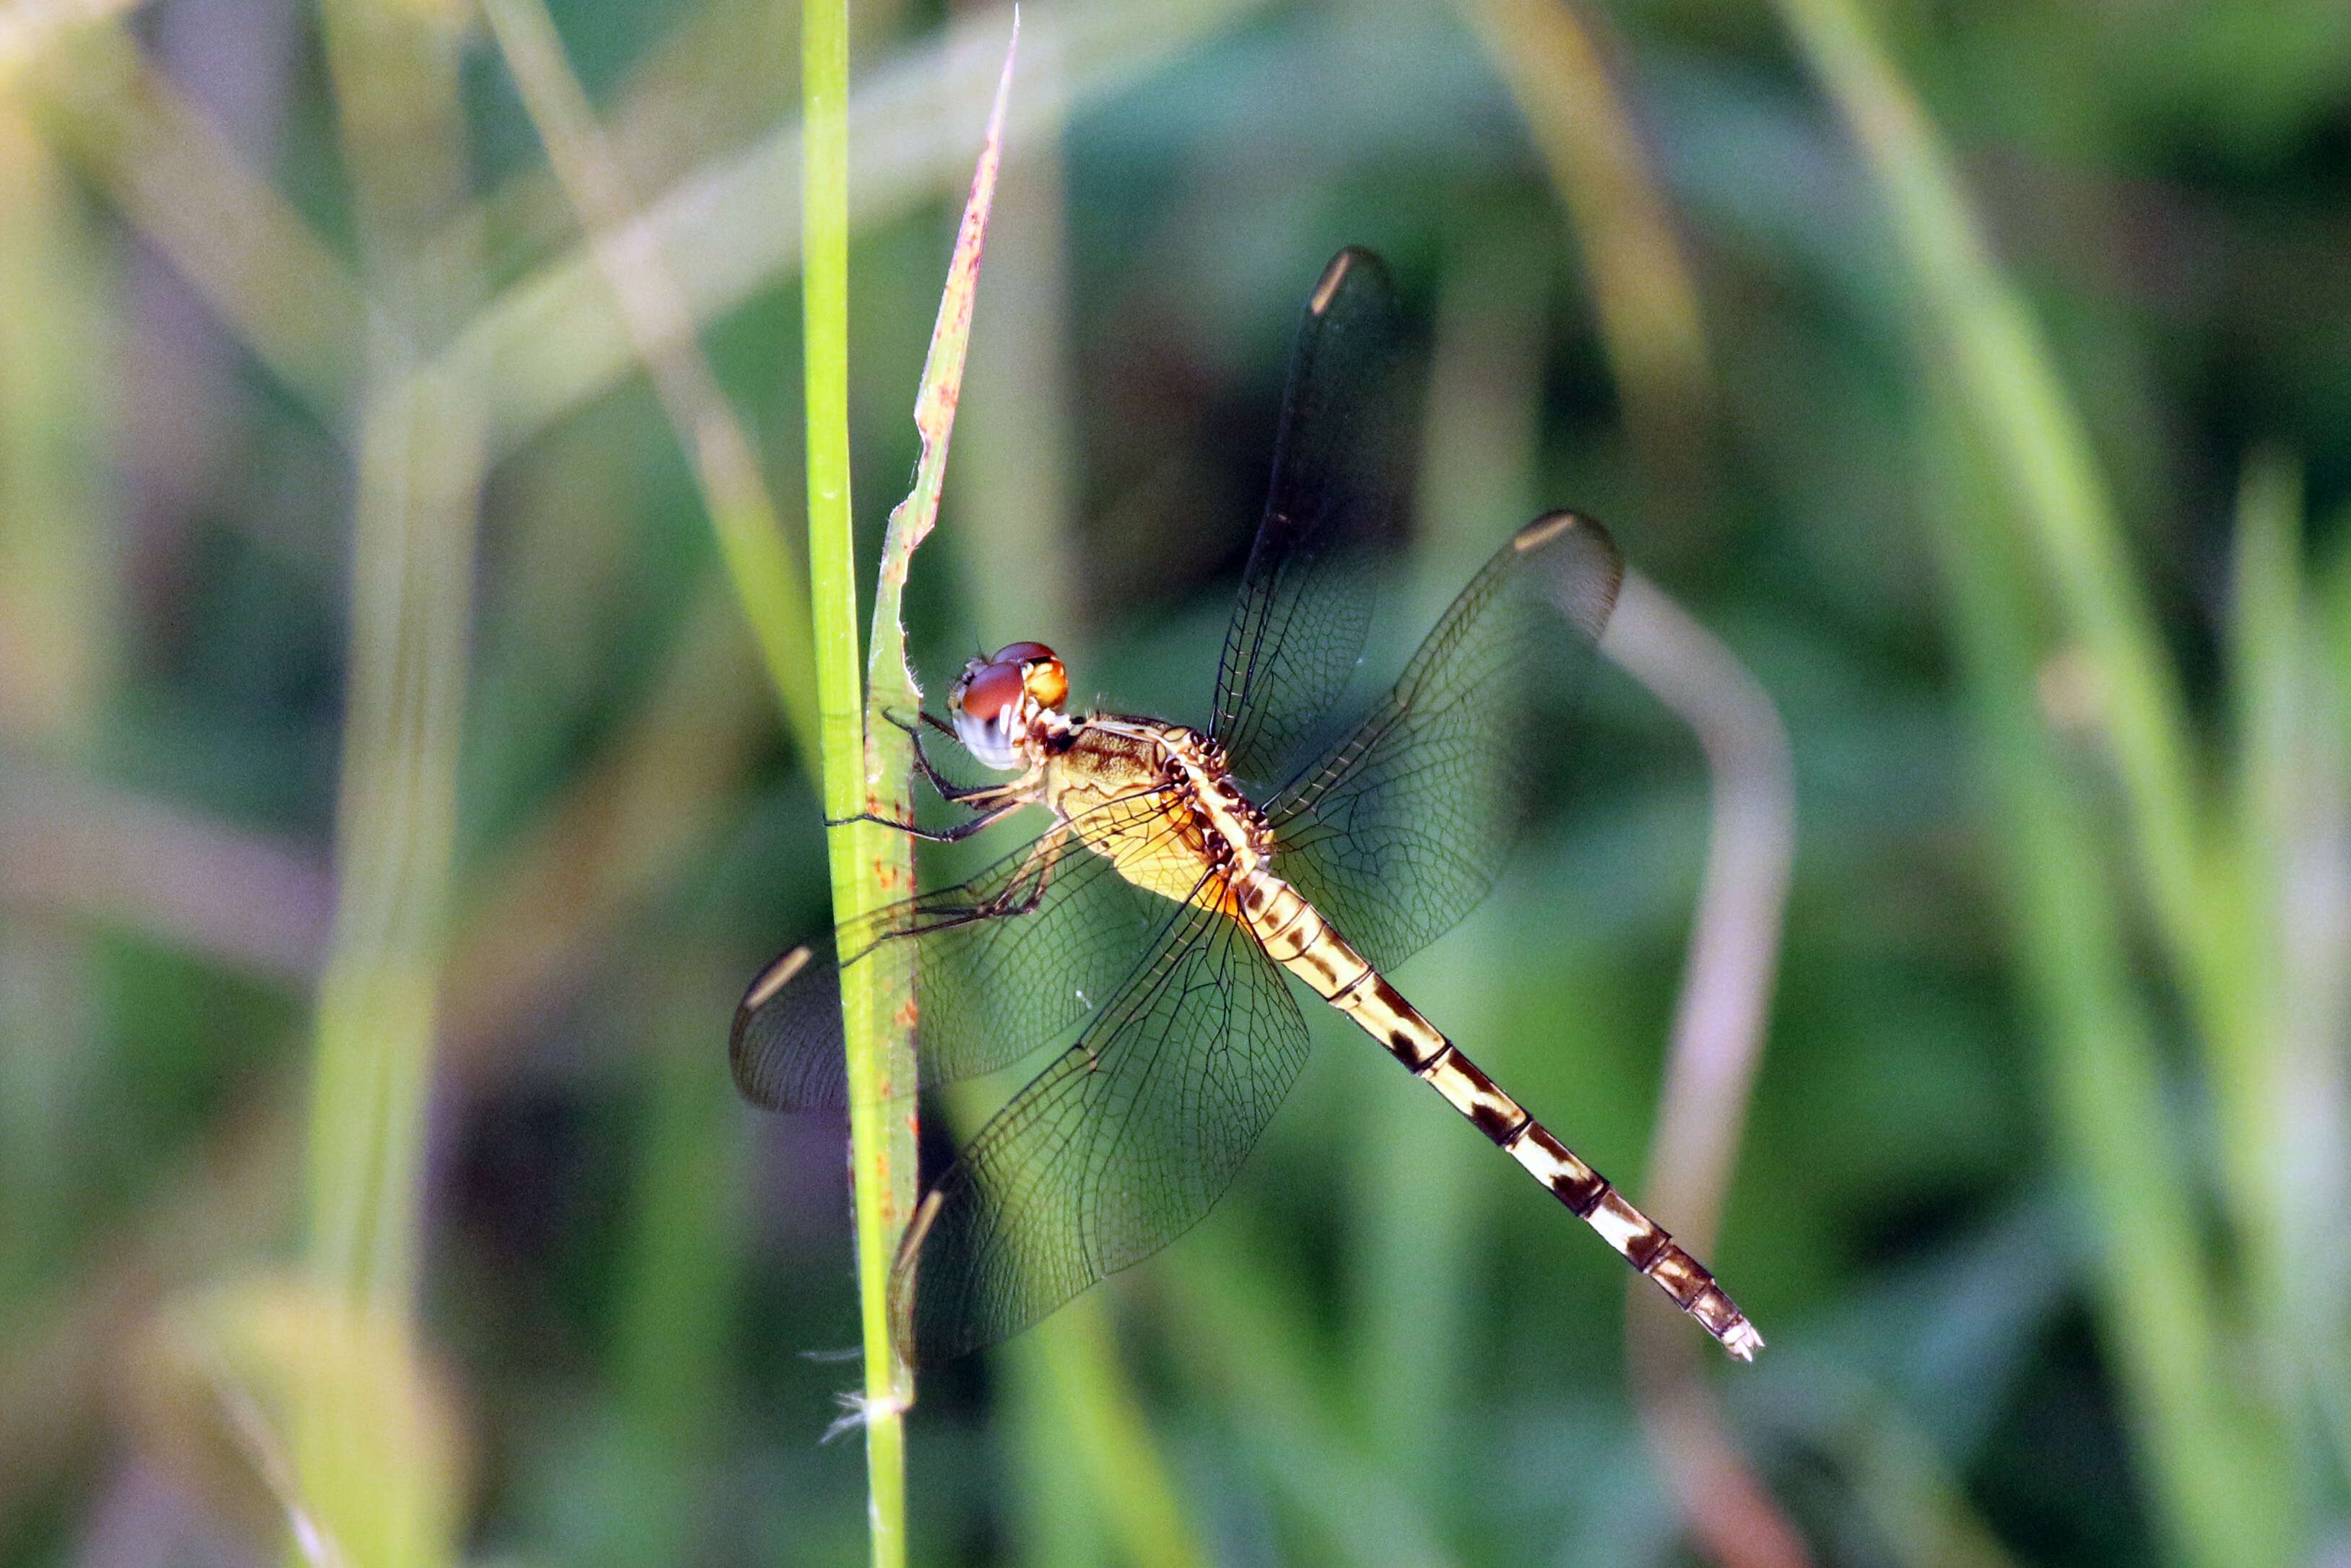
(1297, 938)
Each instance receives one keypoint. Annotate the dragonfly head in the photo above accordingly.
(998, 703)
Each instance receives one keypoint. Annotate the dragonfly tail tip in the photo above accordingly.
(1741, 1341)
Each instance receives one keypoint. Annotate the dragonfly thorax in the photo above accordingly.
(1003, 707)
(1157, 799)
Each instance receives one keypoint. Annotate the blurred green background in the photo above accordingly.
(2022, 492)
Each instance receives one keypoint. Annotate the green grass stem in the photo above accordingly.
(867, 759)
(870, 864)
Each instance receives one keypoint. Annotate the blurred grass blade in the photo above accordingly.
(678, 1282)
(57, 567)
(552, 340)
(1234, 1339)
(60, 597)
(661, 329)
(2252, 1067)
(1919, 1511)
(273, 279)
(1070, 1364)
(395, 71)
(2285, 1086)
(221, 1372)
(2315, 896)
(2007, 385)
(1551, 54)
(2217, 1477)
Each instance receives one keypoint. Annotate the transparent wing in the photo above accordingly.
(1305, 599)
(1005, 962)
(1398, 831)
(1114, 1151)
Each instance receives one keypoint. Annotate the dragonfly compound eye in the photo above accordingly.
(1041, 673)
(985, 705)
(987, 690)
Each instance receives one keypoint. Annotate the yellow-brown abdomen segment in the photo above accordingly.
(1297, 938)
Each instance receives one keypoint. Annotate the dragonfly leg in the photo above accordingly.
(990, 802)
(964, 830)
(1036, 874)
(947, 788)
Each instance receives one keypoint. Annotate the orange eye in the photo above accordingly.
(1046, 680)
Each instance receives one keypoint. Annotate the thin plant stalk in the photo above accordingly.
(867, 759)
(867, 863)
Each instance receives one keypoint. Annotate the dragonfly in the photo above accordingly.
(1182, 872)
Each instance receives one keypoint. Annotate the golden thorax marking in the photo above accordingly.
(1123, 781)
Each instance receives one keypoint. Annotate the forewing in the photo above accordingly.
(1114, 1151)
(1399, 829)
(1005, 963)
(1305, 601)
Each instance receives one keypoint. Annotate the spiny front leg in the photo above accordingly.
(991, 802)
(960, 831)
